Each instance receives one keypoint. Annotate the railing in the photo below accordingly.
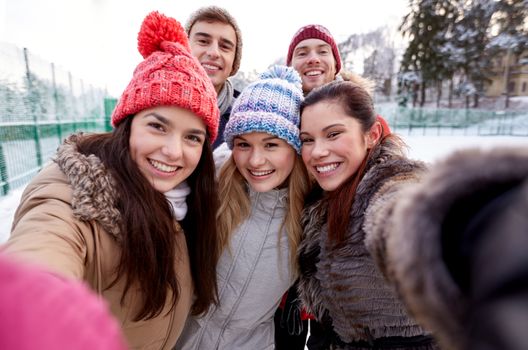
(40, 105)
(26, 147)
(423, 121)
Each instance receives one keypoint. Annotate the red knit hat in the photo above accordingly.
(314, 31)
(385, 128)
(169, 76)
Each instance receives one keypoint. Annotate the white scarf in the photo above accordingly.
(176, 198)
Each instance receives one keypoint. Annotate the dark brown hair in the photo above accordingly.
(148, 247)
(357, 103)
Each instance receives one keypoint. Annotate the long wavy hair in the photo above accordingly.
(148, 247)
(357, 103)
(236, 205)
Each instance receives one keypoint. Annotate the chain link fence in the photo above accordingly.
(40, 105)
(456, 122)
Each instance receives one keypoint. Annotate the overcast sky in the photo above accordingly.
(96, 39)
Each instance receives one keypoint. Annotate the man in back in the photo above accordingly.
(216, 41)
(313, 53)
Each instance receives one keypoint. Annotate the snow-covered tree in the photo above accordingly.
(408, 83)
(242, 79)
(378, 53)
(471, 36)
(428, 27)
(510, 33)
(379, 65)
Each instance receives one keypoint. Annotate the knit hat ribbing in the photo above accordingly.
(169, 75)
(314, 31)
(271, 105)
(210, 13)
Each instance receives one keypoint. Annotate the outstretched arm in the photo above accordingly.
(46, 233)
(456, 249)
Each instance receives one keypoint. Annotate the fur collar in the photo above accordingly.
(325, 287)
(94, 196)
(388, 163)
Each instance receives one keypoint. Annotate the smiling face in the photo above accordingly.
(333, 143)
(314, 61)
(166, 143)
(264, 160)
(214, 45)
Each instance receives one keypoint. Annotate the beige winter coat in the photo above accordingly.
(67, 222)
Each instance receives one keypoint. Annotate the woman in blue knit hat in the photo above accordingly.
(262, 184)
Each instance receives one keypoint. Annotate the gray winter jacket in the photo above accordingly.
(252, 277)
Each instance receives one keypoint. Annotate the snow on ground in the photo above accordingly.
(432, 148)
(425, 147)
(8, 205)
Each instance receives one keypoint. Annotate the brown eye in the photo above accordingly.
(156, 126)
(195, 138)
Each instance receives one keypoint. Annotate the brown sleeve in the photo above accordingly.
(46, 233)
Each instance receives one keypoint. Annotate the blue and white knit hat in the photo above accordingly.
(271, 105)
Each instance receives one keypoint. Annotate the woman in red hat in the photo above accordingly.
(132, 212)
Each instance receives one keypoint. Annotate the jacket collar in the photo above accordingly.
(94, 197)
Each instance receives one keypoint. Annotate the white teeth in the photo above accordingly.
(313, 73)
(260, 173)
(208, 66)
(326, 168)
(163, 167)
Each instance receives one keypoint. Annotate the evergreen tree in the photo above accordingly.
(510, 35)
(379, 63)
(471, 37)
(429, 27)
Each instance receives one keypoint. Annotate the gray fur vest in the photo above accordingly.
(344, 285)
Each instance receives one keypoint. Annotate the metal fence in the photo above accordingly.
(40, 105)
(423, 121)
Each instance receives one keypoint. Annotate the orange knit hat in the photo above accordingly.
(169, 75)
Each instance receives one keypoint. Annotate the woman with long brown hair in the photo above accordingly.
(359, 168)
(132, 212)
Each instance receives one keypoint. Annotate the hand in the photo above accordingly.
(307, 263)
(291, 315)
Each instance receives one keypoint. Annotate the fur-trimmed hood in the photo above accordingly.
(68, 223)
(94, 196)
(415, 260)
